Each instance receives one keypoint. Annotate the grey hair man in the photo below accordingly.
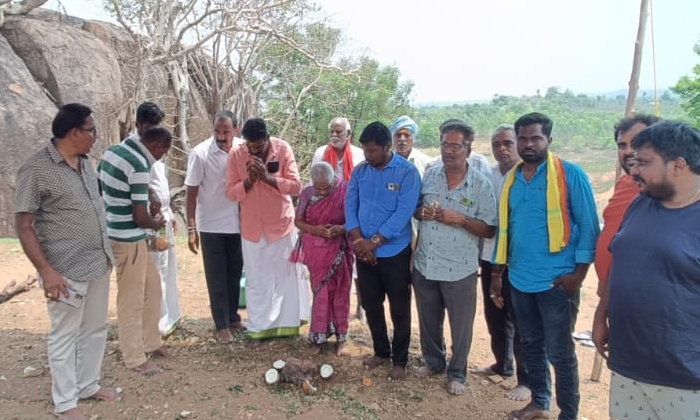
(501, 322)
(342, 155)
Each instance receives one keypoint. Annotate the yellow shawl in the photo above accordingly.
(558, 225)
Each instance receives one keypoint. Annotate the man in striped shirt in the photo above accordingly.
(124, 174)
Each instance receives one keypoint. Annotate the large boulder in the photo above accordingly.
(74, 66)
(25, 124)
(48, 59)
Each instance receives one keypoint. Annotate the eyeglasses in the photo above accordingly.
(455, 147)
(92, 130)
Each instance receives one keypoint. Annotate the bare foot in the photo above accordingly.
(425, 371)
(340, 349)
(237, 327)
(456, 388)
(72, 414)
(529, 412)
(148, 368)
(375, 362)
(223, 336)
(485, 371)
(519, 393)
(106, 394)
(163, 352)
(397, 373)
(315, 348)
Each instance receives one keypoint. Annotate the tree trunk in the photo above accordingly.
(637, 60)
(636, 64)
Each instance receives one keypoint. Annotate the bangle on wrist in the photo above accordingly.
(495, 274)
(191, 229)
(355, 241)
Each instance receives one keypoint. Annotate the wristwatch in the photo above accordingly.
(376, 239)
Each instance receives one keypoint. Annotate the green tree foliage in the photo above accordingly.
(363, 91)
(580, 121)
(688, 87)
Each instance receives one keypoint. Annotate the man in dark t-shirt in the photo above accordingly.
(648, 315)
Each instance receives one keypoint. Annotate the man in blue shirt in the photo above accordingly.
(548, 228)
(382, 196)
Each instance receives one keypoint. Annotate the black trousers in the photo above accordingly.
(223, 266)
(390, 278)
(503, 327)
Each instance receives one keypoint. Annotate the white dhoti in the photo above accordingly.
(277, 293)
(167, 268)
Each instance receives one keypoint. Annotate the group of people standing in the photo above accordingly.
(398, 222)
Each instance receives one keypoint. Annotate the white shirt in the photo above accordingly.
(420, 160)
(206, 169)
(159, 183)
(358, 156)
(493, 173)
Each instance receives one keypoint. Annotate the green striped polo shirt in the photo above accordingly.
(124, 173)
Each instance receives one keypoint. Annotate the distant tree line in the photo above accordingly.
(580, 121)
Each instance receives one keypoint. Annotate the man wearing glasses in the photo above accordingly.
(60, 222)
(213, 220)
(457, 208)
(262, 176)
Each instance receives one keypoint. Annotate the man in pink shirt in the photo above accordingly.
(262, 176)
(626, 189)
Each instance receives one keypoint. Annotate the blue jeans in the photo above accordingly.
(546, 321)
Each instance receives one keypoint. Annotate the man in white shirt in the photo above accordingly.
(339, 151)
(214, 220)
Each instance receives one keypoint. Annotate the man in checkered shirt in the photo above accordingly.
(60, 222)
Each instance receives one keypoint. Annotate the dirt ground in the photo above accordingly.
(209, 381)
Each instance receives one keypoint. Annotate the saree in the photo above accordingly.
(329, 261)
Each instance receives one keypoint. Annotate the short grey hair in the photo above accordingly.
(501, 128)
(322, 171)
(341, 121)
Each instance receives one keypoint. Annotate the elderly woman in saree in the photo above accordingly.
(325, 250)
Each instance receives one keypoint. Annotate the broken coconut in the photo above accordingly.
(279, 364)
(326, 371)
(272, 376)
(307, 387)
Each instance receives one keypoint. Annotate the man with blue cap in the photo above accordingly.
(403, 133)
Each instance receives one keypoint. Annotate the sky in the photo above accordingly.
(467, 50)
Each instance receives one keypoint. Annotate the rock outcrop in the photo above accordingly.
(48, 60)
